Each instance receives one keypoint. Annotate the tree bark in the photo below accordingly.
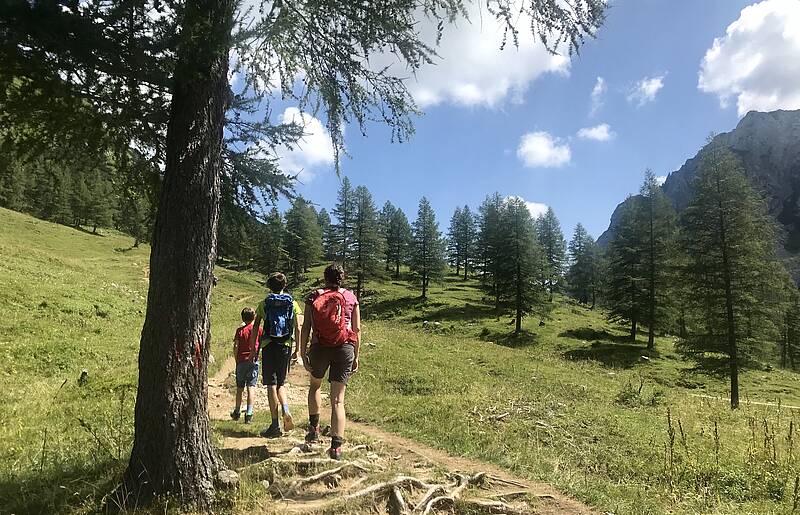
(172, 452)
(634, 324)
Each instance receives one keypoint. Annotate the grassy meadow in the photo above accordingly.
(571, 402)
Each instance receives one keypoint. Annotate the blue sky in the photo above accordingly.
(471, 139)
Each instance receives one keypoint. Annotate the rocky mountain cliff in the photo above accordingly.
(768, 145)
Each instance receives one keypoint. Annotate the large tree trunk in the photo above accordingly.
(172, 452)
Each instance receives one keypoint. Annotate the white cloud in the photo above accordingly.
(646, 90)
(757, 61)
(472, 70)
(661, 179)
(313, 151)
(597, 95)
(536, 209)
(540, 149)
(600, 132)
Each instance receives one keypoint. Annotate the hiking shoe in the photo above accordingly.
(248, 418)
(235, 414)
(288, 422)
(272, 432)
(313, 434)
(335, 454)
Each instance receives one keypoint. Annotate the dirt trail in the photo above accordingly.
(384, 453)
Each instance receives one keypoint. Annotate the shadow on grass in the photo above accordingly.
(63, 489)
(460, 313)
(588, 333)
(617, 355)
(236, 433)
(508, 338)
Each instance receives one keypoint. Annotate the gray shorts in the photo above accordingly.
(246, 374)
(338, 359)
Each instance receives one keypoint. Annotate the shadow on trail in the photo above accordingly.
(236, 433)
(237, 458)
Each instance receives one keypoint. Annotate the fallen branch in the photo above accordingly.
(306, 481)
(497, 479)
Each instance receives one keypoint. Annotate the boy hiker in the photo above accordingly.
(246, 364)
(280, 313)
(334, 314)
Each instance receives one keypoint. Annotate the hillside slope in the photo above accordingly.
(572, 402)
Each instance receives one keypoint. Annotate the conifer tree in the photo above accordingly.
(398, 241)
(344, 212)
(658, 222)
(367, 244)
(271, 240)
(551, 238)
(626, 288)
(385, 226)
(790, 345)
(731, 271)
(100, 209)
(519, 271)
(490, 243)
(328, 235)
(427, 255)
(461, 240)
(303, 237)
(583, 277)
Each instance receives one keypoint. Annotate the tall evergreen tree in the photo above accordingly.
(271, 240)
(385, 218)
(519, 271)
(303, 237)
(461, 240)
(329, 245)
(427, 254)
(626, 288)
(344, 211)
(658, 222)
(453, 251)
(790, 345)
(367, 241)
(398, 241)
(551, 238)
(732, 272)
(490, 243)
(584, 273)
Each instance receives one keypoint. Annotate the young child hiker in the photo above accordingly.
(246, 353)
(334, 314)
(282, 318)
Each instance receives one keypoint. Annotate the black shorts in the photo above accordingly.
(275, 358)
(338, 359)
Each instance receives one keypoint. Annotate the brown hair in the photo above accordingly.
(276, 282)
(334, 274)
(248, 315)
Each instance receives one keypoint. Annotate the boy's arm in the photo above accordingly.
(304, 334)
(254, 338)
(356, 326)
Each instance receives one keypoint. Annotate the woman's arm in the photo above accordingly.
(304, 335)
(356, 326)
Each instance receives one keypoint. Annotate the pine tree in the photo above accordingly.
(461, 240)
(344, 212)
(427, 256)
(659, 233)
(732, 273)
(385, 218)
(271, 240)
(626, 288)
(519, 271)
(328, 235)
(303, 237)
(100, 209)
(398, 241)
(490, 249)
(453, 251)
(584, 270)
(367, 241)
(551, 238)
(790, 345)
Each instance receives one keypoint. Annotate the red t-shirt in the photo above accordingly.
(242, 339)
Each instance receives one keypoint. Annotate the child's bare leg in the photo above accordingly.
(273, 402)
(249, 400)
(239, 392)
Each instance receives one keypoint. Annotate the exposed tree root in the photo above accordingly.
(383, 489)
(484, 506)
(397, 504)
(337, 471)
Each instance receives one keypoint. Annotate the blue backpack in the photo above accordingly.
(278, 317)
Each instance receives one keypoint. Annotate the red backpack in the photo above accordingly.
(330, 322)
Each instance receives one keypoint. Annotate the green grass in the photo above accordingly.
(585, 410)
